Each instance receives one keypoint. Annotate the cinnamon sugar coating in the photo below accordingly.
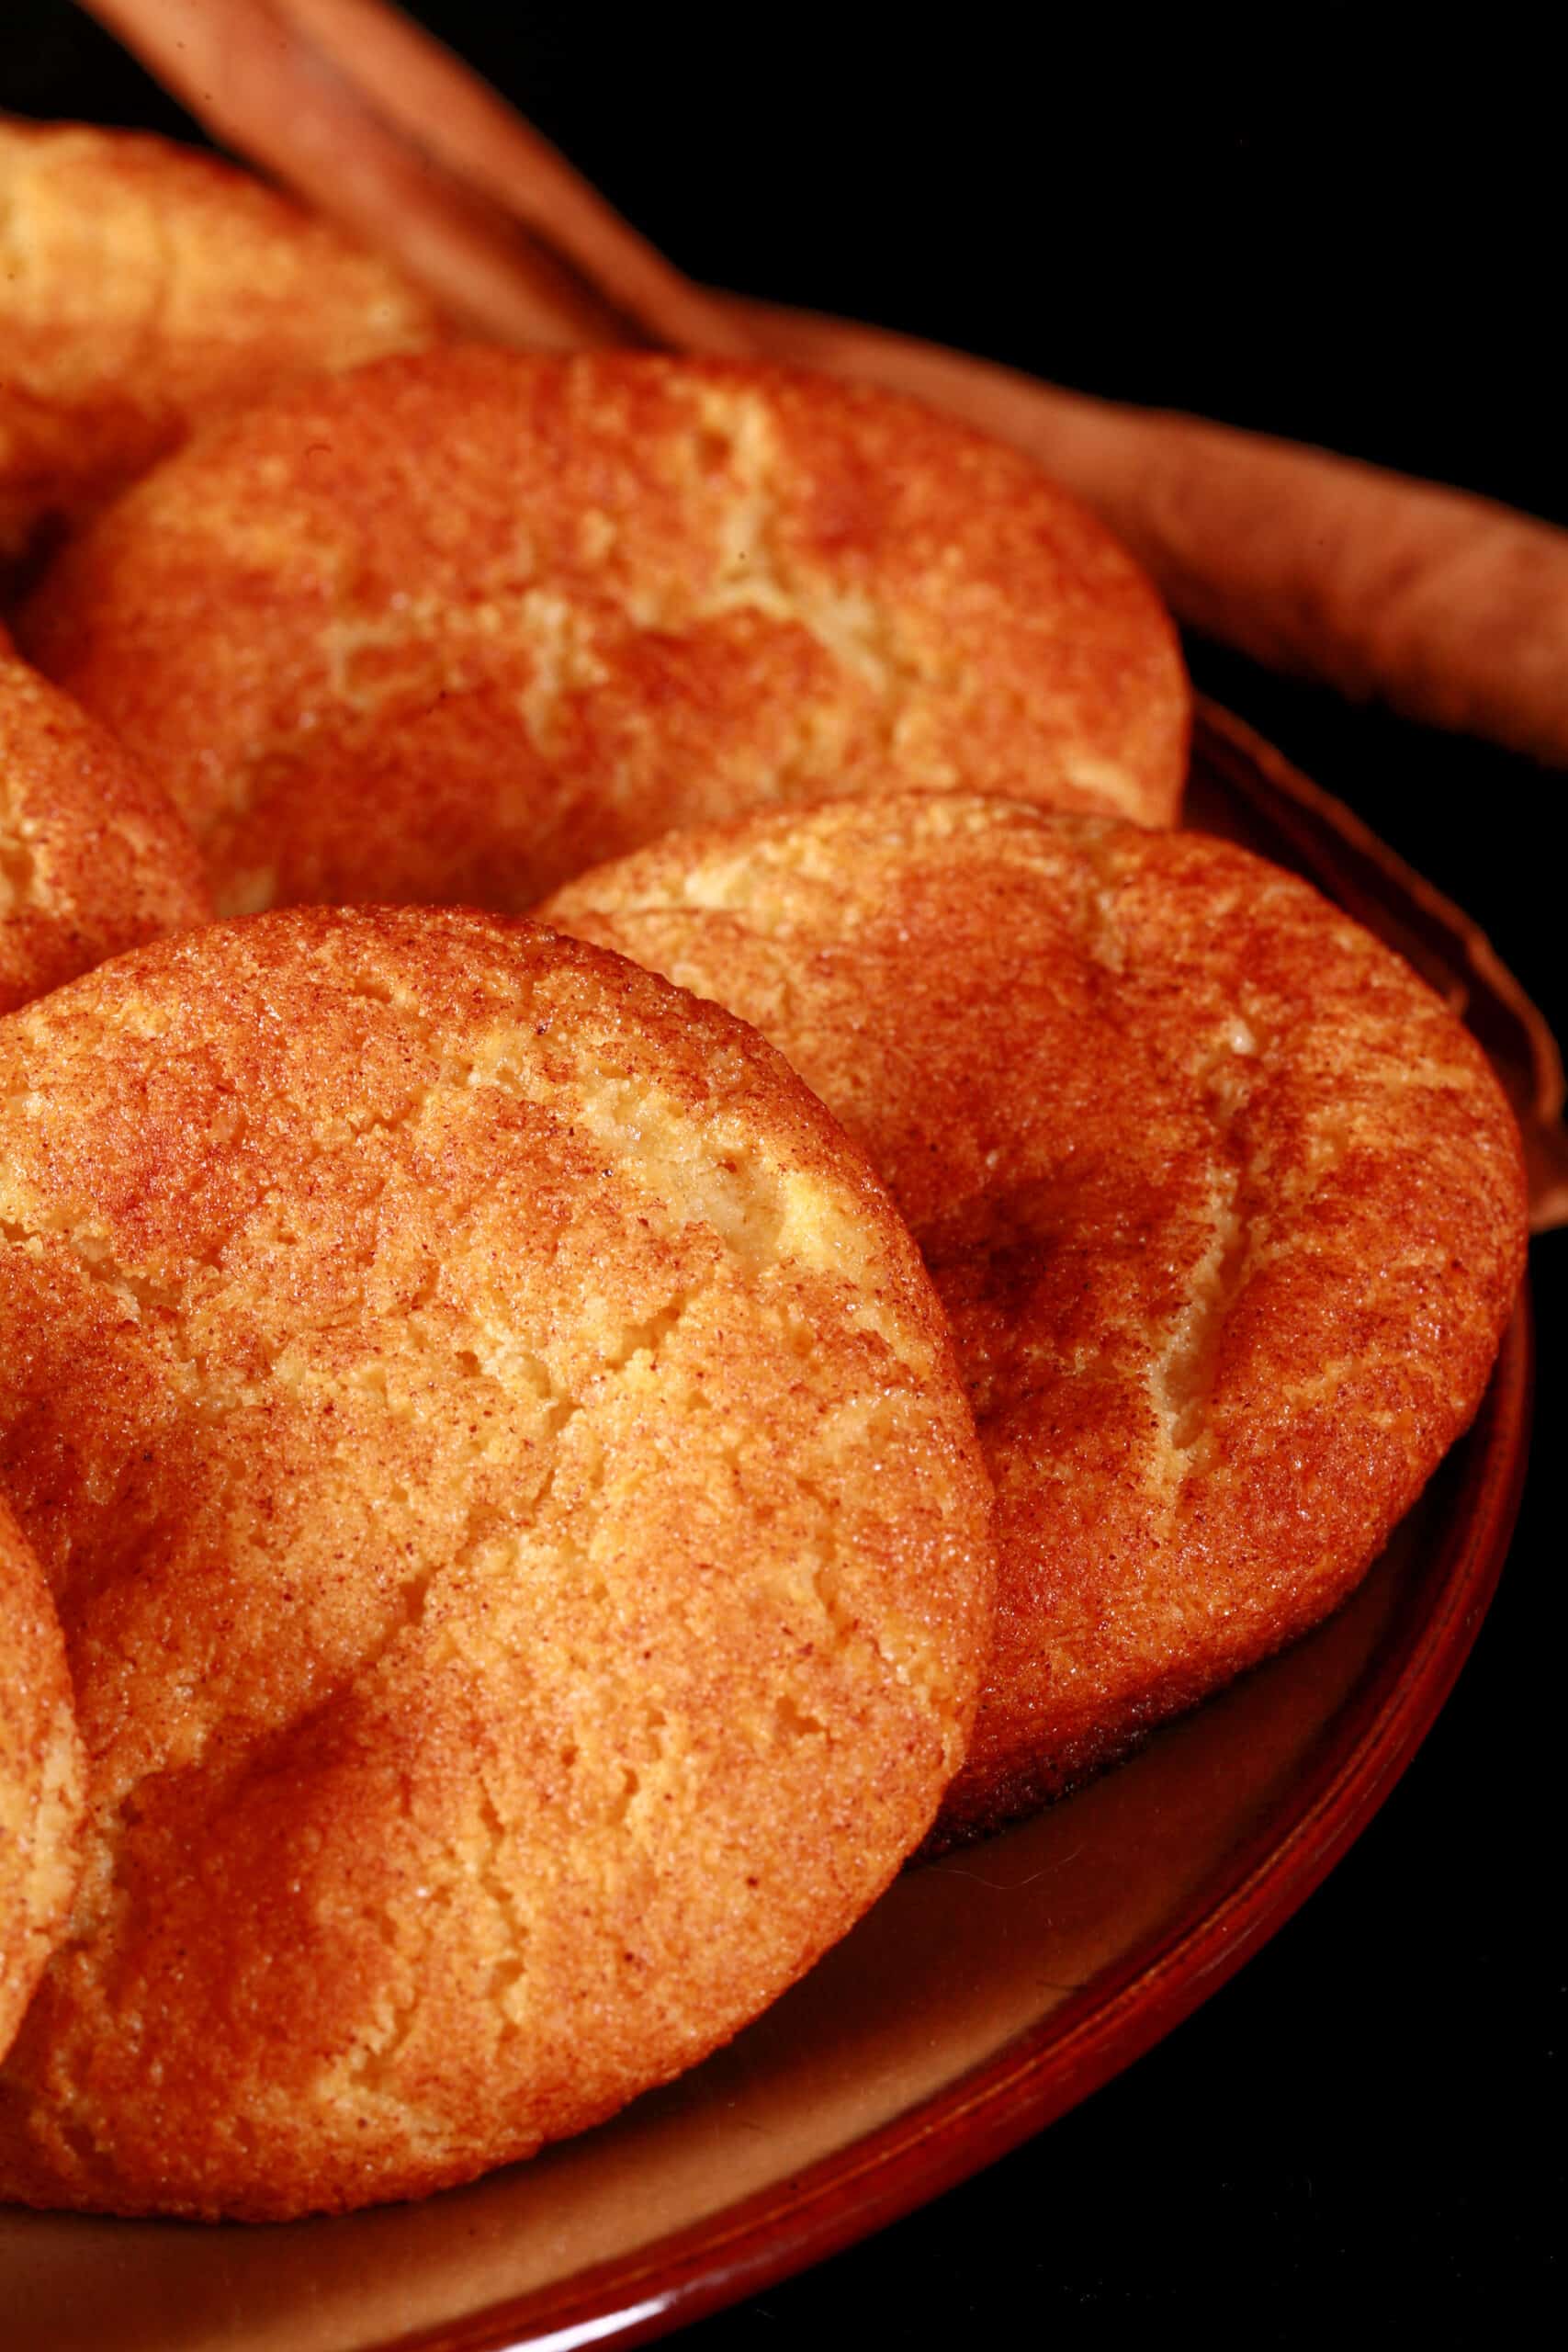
(144, 286)
(1226, 1209)
(462, 624)
(93, 859)
(521, 1546)
(40, 1776)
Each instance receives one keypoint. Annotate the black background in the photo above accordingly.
(1344, 225)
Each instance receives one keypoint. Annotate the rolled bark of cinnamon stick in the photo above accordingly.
(1450, 608)
(1447, 607)
(258, 81)
(421, 89)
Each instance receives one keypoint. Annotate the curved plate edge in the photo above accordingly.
(1110, 2021)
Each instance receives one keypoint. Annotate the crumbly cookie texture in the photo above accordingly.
(1226, 1209)
(521, 1545)
(40, 1776)
(464, 624)
(92, 858)
(144, 286)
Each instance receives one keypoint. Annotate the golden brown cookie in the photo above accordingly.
(143, 287)
(93, 859)
(520, 1541)
(459, 627)
(40, 1776)
(1226, 1210)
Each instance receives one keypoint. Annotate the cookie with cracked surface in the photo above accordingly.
(40, 1776)
(1226, 1208)
(144, 286)
(521, 1541)
(467, 623)
(92, 858)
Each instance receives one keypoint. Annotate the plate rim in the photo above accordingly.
(1047, 2067)
(1118, 2014)
(1125, 2008)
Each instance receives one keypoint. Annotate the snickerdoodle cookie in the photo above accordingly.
(143, 287)
(40, 1776)
(462, 624)
(1226, 1208)
(93, 859)
(521, 1546)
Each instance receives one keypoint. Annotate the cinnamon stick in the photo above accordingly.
(421, 89)
(1452, 609)
(254, 78)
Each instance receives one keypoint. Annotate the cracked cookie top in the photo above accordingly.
(93, 859)
(462, 624)
(1226, 1208)
(144, 286)
(41, 1776)
(521, 1543)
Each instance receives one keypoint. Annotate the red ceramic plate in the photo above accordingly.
(984, 1996)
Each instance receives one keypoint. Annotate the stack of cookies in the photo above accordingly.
(727, 1262)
